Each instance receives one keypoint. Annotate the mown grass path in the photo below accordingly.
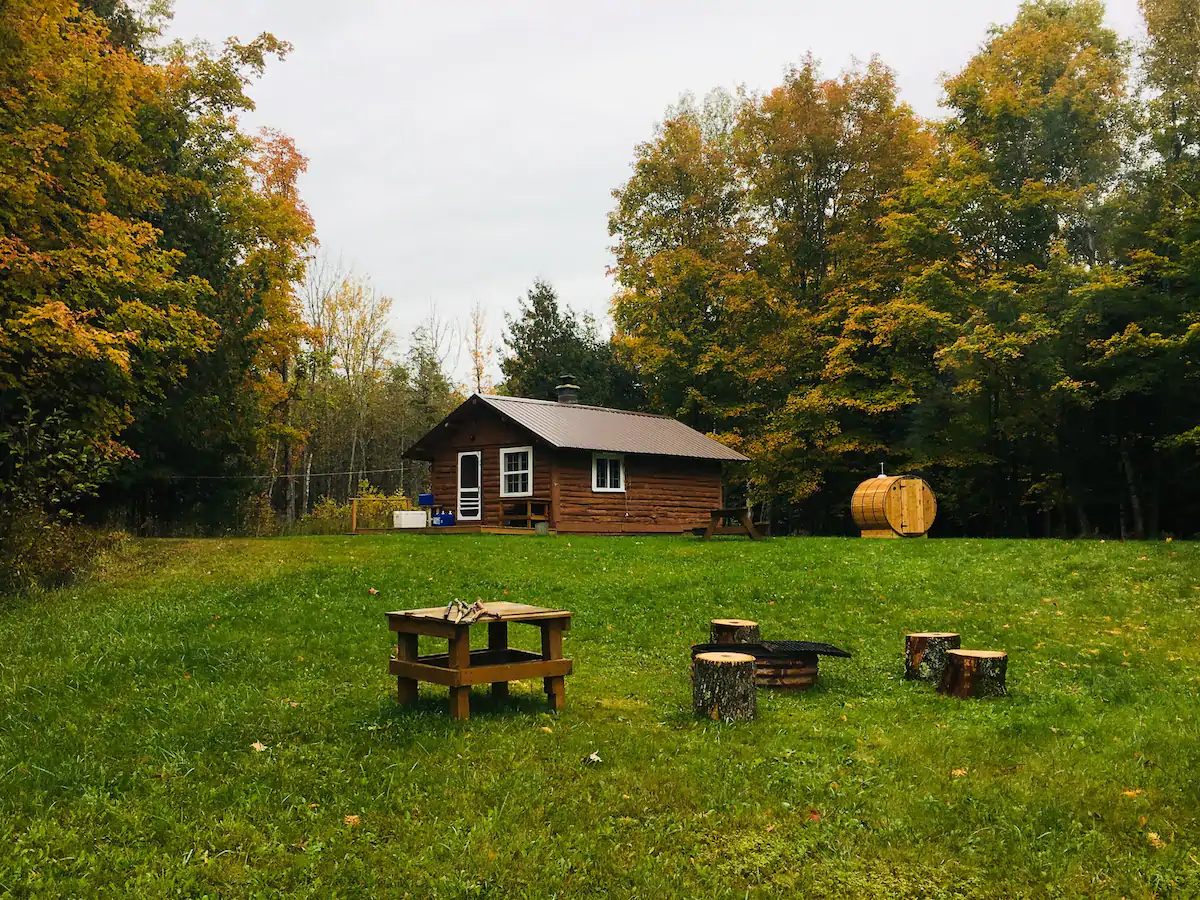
(130, 704)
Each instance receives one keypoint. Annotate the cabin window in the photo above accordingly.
(608, 472)
(516, 472)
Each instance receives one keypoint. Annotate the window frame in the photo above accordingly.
(504, 452)
(618, 457)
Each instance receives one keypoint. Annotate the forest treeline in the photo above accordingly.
(1005, 299)
(170, 340)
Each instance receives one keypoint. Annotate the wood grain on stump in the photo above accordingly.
(734, 631)
(723, 687)
(925, 654)
(974, 673)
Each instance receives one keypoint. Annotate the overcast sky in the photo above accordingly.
(457, 150)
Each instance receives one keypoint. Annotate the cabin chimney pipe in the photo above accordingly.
(568, 391)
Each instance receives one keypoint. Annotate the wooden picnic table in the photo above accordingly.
(740, 513)
(462, 667)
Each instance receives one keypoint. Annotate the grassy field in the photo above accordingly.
(131, 707)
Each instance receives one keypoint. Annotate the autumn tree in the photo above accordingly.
(741, 219)
(98, 316)
(479, 349)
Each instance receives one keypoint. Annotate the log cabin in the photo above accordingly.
(510, 462)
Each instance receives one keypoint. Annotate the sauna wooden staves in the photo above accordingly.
(893, 506)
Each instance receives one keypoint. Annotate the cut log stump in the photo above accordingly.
(925, 654)
(734, 631)
(974, 673)
(723, 687)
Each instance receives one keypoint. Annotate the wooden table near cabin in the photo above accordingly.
(462, 667)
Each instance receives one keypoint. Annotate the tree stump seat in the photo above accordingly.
(733, 631)
(974, 673)
(723, 688)
(925, 654)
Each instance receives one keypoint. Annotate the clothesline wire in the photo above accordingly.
(280, 475)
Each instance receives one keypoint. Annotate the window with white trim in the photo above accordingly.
(608, 473)
(516, 472)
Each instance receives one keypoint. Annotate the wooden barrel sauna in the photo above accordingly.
(889, 506)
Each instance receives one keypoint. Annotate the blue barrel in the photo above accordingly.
(424, 499)
(443, 519)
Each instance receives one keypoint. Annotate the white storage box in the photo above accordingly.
(408, 518)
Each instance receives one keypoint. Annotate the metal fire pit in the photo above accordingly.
(783, 665)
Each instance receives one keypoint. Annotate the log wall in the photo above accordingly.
(662, 494)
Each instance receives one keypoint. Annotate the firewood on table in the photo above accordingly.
(925, 654)
(975, 673)
(734, 631)
(723, 687)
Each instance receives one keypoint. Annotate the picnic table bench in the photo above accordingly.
(740, 513)
(462, 667)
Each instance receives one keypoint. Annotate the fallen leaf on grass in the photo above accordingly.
(770, 828)
(1132, 793)
(958, 773)
(372, 591)
(351, 820)
(313, 805)
(814, 816)
(547, 729)
(259, 746)
(1155, 841)
(592, 758)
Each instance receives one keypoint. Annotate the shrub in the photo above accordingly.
(39, 551)
(374, 511)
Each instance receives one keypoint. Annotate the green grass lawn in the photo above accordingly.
(130, 704)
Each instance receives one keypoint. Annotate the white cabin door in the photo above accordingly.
(470, 503)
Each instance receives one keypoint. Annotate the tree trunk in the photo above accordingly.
(723, 687)
(1135, 501)
(925, 654)
(307, 481)
(289, 502)
(974, 673)
(289, 450)
(274, 475)
(734, 631)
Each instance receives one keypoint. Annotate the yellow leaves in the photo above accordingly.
(1155, 841)
(259, 746)
(351, 820)
(959, 773)
(52, 331)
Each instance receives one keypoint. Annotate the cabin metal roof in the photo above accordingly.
(572, 426)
